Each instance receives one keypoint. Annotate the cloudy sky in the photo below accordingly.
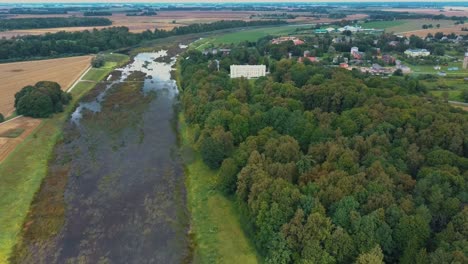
(206, 1)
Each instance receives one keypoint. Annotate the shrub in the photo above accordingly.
(97, 62)
(2, 118)
(212, 152)
(227, 180)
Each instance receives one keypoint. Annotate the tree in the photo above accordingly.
(464, 95)
(2, 118)
(411, 234)
(341, 246)
(35, 104)
(41, 100)
(228, 176)
(374, 256)
(212, 152)
(98, 62)
(398, 72)
(216, 146)
(439, 51)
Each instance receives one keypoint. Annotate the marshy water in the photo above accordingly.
(125, 199)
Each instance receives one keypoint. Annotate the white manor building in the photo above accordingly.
(248, 71)
(417, 52)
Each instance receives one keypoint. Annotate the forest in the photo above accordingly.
(329, 165)
(52, 22)
(86, 42)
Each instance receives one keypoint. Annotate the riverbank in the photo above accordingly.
(216, 228)
(24, 170)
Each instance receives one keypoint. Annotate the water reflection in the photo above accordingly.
(158, 77)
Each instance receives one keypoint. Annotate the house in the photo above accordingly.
(350, 28)
(247, 71)
(330, 29)
(308, 57)
(356, 54)
(311, 59)
(404, 69)
(215, 51)
(337, 40)
(393, 43)
(417, 52)
(442, 73)
(388, 59)
(225, 51)
(280, 40)
(376, 68)
(320, 31)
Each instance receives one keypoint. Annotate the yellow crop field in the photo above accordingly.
(14, 76)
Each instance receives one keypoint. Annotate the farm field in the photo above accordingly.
(14, 76)
(246, 35)
(456, 29)
(165, 20)
(447, 11)
(14, 132)
(409, 26)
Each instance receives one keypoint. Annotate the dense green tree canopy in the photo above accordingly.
(332, 166)
(41, 100)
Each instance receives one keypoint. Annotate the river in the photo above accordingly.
(125, 197)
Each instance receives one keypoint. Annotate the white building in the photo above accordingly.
(404, 69)
(417, 52)
(248, 71)
(350, 28)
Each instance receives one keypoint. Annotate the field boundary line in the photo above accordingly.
(79, 79)
(9, 120)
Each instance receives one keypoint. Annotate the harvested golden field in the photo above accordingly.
(165, 20)
(457, 29)
(14, 76)
(14, 132)
(447, 11)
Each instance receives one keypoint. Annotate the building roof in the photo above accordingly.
(417, 50)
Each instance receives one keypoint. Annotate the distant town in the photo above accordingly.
(379, 54)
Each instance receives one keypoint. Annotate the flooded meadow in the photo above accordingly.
(115, 192)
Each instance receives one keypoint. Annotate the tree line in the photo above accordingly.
(97, 13)
(52, 22)
(330, 165)
(85, 42)
(389, 15)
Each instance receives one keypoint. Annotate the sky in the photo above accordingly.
(209, 1)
